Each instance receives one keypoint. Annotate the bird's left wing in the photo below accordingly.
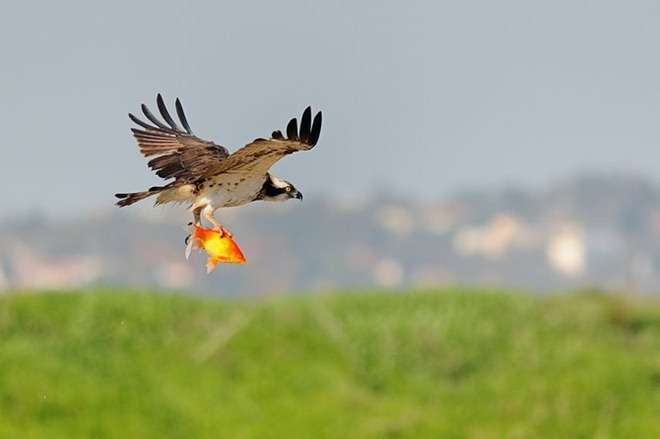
(259, 155)
(180, 154)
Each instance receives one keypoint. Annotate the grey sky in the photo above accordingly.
(419, 97)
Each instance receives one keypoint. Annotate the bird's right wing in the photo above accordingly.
(259, 155)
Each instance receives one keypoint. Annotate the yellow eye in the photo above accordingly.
(288, 188)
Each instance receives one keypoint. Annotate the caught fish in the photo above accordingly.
(219, 248)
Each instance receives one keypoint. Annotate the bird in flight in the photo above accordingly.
(205, 174)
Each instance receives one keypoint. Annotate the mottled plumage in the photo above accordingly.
(205, 174)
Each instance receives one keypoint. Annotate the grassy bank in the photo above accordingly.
(418, 364)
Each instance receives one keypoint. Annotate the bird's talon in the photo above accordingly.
(222, 231)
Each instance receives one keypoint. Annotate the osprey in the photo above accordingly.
(205, 175)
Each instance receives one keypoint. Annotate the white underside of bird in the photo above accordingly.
(225, 190)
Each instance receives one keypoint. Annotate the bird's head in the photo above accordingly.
(276, 189)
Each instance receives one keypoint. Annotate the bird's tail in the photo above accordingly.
(134, 197)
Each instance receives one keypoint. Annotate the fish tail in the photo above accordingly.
(189, 246)
(210, 265)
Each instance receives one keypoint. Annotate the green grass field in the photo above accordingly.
(436, 364)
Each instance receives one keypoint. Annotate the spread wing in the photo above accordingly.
(261, 154)
(180, 154)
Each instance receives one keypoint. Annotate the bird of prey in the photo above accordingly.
(205, 175)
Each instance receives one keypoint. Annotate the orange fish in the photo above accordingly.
(219, 248)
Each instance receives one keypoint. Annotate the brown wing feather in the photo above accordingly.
(180, 154)
(261, 154)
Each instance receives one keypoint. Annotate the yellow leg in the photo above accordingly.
(197, 220)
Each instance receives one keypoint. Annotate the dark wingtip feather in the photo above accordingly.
(166, 114)
(306, 124)
(182, 116)
(139, 122)
(277, 135)
(292, 129)
(153, 118)
(316, 129)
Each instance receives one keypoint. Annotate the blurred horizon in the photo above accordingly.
(589, 231)
(147, 208)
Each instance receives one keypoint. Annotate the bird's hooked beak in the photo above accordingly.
(298, 195)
